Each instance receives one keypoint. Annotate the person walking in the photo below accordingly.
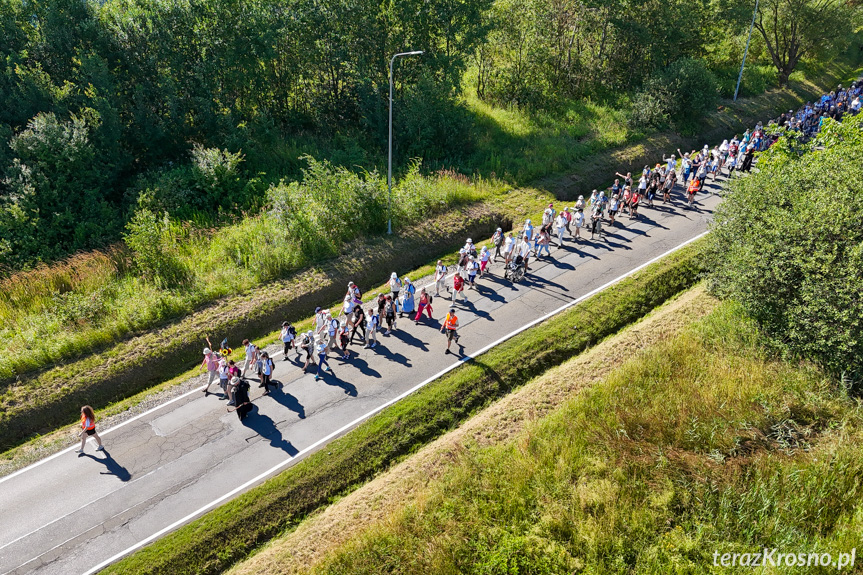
(241, 397)
(484, 256)
(561, 223)
(579, 222)
(425, 302)
(472, 270)
(321, 349)
(359, 323)
(408, 303)
(374, 325)
(458, 287)
(395, 286)
(345, 340)
(251, 355)
(498, 240)
(88, 429)
(211, 364)
(440, 278)
(450, 326)
(307, 345)
(390, 314)
(234, 373)
(267, 367)
(287, 335)
(332, 333)
(224, 377)
(542, 242)
(508, 249)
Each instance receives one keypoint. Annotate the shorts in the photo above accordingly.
(90, 431)
(450, 333)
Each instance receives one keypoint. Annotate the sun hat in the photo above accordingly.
(393, 275)
(207, 351)
(235, 380)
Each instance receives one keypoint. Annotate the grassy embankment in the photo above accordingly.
(701, 444)
(229, 533)
(41, 401)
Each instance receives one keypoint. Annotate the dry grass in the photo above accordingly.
(318, 535)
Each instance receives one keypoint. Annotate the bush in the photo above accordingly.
(153, 241)
(52, 203)
(681, 92)
(787, 244)
(209, 187)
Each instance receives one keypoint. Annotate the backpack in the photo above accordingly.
(431, 297)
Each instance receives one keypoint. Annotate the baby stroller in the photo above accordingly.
(515, 270)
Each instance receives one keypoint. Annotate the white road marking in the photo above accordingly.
(357, 421)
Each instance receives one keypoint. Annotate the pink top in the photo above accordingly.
(211, 362)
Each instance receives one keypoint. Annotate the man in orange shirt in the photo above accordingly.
(450, 324)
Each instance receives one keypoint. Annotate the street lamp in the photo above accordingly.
(746, 51)
(390, 158)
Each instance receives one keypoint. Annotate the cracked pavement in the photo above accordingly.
(70, 513)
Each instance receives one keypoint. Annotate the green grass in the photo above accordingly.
(701, 444)
(229, 533)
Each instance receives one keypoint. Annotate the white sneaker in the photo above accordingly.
(79, 451)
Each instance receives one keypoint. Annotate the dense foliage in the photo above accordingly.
(200, 103)
(788, 245)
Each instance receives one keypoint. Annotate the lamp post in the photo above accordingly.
(390, 156)
(746, 51)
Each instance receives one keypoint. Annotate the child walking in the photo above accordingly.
(88, 428)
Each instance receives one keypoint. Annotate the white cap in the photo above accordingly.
(393, 275)
(207, 351)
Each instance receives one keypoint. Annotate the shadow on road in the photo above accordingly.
(409, 339)
(396, 357)
(330, 378)
(111, 466)
(282, 397)
(361, 365)
(264, 426)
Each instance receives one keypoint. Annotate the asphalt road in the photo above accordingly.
(70, 514)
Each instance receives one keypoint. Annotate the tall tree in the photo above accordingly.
(796, 29)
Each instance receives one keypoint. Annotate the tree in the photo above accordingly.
(797, 29)
(787, 244)
(51, 203)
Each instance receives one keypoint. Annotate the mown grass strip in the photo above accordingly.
(229, 533)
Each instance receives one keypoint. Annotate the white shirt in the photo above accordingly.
(579, 219)
(561, 222)
(507, 246)
(286, 335)
(440, 272)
